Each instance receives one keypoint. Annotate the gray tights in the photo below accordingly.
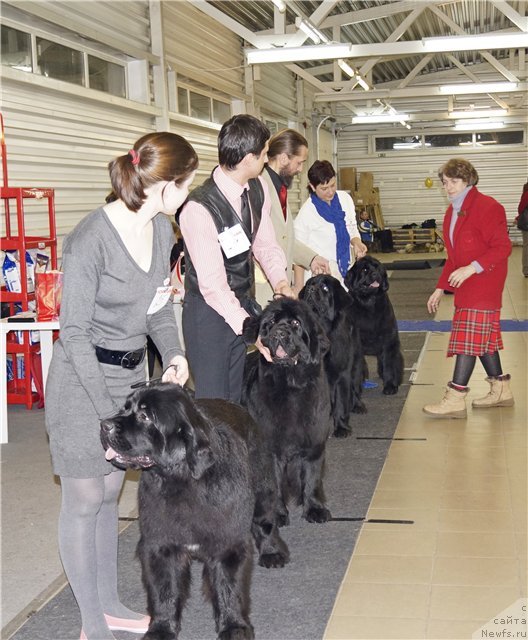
(88, 534)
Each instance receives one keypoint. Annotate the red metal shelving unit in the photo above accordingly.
(15, 239)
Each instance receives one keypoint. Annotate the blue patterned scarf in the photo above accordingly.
(334, 214)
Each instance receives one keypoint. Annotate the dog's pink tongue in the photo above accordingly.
(110, 454)
(280, 353)
(374, 284)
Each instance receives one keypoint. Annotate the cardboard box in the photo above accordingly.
(348, 179)
(366, 181)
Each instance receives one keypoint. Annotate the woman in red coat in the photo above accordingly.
(478, 246)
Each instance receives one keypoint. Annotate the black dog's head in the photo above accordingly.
(326, 297)
(160, 427)
(367, 277)
(290, 331)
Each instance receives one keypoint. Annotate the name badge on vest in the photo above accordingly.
(160, 299)
(234, 241)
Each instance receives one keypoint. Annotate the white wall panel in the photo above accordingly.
(201, 49)
(275, 92)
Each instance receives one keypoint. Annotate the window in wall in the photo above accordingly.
(398, 143)
(183, 101)
(221, 111)
(449, 139)
(200, 106)
(57, 61)
(16, 49)
(106, 76)
(499, 137)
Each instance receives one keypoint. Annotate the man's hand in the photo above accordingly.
(283, 289)
(319, 265)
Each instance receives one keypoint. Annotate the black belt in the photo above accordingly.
(125, 359)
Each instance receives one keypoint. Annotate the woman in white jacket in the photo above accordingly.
(326, 223)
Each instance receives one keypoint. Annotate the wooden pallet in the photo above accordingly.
(416, 236)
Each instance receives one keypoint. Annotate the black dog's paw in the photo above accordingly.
(160, 634)
(343, 432)
(318, 514)
(273, 560)
(359, 407)
(390, 389)
(283, 519)
(237, 633)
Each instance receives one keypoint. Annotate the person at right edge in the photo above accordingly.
(523, 204)
(478, 246)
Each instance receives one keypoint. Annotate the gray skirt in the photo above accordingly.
(72, 423)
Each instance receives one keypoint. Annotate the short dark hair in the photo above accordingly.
(459, 168)
(155, 157)
(287, 141)
(320, 172)
(239, 136)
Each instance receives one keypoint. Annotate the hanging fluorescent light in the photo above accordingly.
(381, 118)
(479, 113)
(483, 87)
(281, 6)
(346, 68)
(314, 34)
(298, 54)
(474, 125)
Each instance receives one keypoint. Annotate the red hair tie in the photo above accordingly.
(134, 155)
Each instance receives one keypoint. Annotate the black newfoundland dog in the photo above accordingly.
(344, 362)
(367, 285)
(289, 399)
(206, 486)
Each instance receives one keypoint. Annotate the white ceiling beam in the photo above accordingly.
(490, 41)
(226, 21)
(415, 71)
(395, 36)
(374, 13)
(511, 14)
(322, 11)
(407, 92)
(487, 56)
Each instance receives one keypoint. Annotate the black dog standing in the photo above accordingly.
(206, 486)
(367, 284)
(344, 362)
(289, 400)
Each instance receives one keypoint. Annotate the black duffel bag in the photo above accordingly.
(522, 220)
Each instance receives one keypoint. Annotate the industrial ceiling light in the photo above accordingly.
(478, 42)
(475, 125)
(482, 87)
(479, 113)
(346, 68)
(314, 34)
(381, 118)
(298, 54)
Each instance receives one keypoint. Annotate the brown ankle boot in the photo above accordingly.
(499, 395)
(452, 405)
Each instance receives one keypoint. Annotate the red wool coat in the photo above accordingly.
(480, 234)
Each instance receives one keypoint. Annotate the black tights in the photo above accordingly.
(464, 366)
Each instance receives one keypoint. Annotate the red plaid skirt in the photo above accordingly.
(475, 332)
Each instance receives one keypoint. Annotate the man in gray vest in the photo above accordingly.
(288, 151)
(226, 222)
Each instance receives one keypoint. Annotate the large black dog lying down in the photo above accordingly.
(367, 285)
(206, 486)
(289, 400)
(344, 362)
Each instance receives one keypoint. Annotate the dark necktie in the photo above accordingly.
(283, 199)
(245, 213)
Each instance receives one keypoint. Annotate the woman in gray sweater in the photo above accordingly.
(116, 292)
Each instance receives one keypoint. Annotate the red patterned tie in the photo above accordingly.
(283, 199)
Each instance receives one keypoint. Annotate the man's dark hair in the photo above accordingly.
(239, 136)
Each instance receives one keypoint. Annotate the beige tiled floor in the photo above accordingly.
(463, 560)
